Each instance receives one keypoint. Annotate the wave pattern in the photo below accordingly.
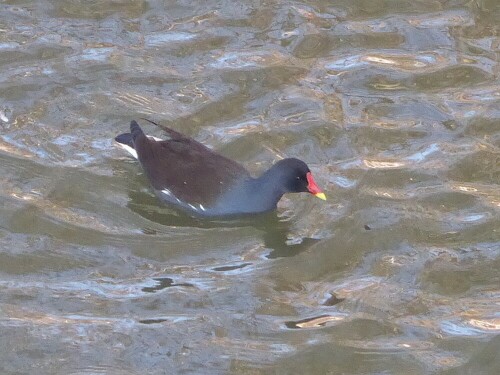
(394, 104)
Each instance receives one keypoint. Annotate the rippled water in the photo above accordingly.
(395, 106)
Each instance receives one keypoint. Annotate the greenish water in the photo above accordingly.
(393, 104)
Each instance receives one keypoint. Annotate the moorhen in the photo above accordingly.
(190, 176)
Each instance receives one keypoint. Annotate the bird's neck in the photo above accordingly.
(259, 194)
(270, 185)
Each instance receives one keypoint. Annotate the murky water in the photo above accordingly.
(394, 104)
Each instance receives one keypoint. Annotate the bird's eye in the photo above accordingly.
(298, 177)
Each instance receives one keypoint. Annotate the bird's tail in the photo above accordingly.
(125, 139)
(128, 138)
(135, 130)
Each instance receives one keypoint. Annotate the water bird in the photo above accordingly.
(190, 176)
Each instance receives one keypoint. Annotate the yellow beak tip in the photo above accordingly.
(320, 196)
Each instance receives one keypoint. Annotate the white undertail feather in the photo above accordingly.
(127, 148)
(132, 151)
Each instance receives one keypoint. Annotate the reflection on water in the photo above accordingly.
(275, 231)
(393, 104)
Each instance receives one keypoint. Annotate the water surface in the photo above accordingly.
(393, 104)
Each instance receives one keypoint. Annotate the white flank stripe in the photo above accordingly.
(155, 138)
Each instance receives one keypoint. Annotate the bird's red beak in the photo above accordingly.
(313, 188)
